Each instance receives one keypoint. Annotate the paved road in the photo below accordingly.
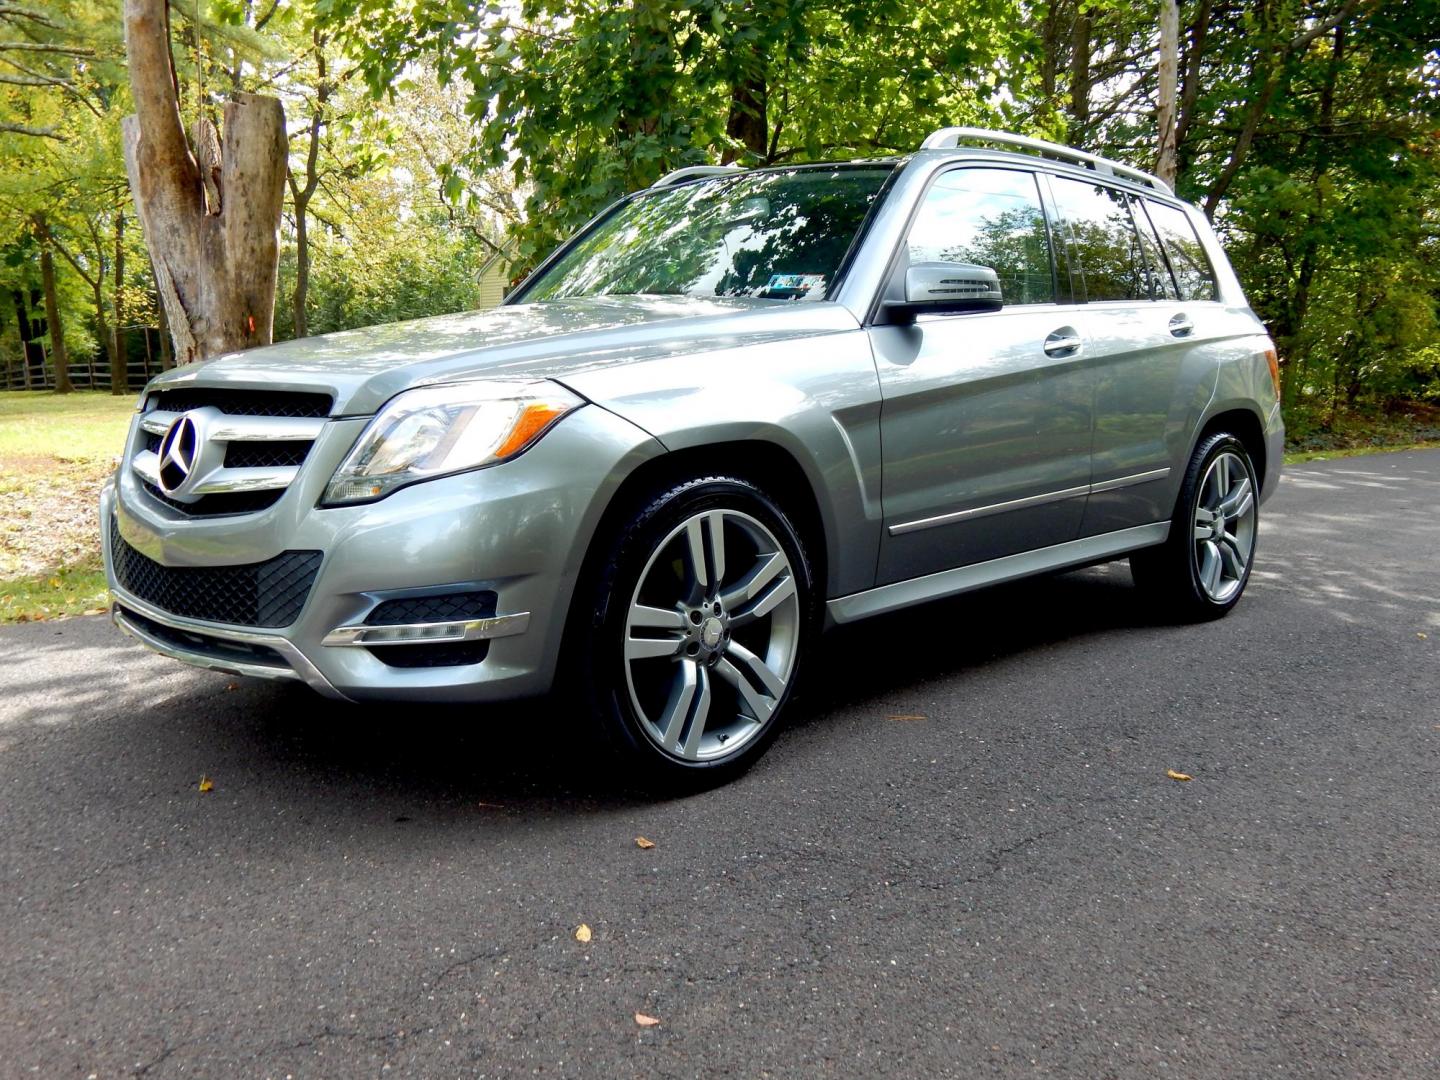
(1008, 886)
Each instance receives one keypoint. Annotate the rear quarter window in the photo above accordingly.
(1194, 276)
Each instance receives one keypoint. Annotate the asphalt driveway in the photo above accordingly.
(965, 859)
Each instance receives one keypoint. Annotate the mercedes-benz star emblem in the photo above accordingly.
(178, 452)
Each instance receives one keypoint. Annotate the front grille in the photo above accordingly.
(265, 455)
(242, 652)
(266, 594)
(236, 502)
(243, 402)
(248, 447)
(445, 607)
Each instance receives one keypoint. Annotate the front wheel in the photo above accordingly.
(1201, 570)
(697, 629)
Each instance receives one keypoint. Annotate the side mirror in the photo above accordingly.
(943, 287)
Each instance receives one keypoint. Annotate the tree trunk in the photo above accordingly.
(747, 123)
(215, 259)
(58, 357)
(302, 271)
(1080, 46)
(1169, 77)
(119, 381)
(167, 351)
(32, 349)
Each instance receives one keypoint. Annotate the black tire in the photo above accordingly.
(1171, 573)
(608, 698)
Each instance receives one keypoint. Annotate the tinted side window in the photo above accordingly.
(990, 217)
(1193, 272)
(1162, 285)
(1103, 242)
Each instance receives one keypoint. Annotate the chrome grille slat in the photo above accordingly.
(224, 481)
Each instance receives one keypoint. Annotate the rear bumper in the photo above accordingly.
(518, 531)
(1274, 453)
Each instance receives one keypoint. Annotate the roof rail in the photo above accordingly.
(949, 137)
(694, 172)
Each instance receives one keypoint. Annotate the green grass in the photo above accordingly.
(1301, 456)
(72, 590)
(83, 426)
(55, 451)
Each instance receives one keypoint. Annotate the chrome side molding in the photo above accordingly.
(901, 528)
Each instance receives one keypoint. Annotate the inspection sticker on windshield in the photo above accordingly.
(796, 282)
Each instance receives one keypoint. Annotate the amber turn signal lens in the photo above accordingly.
(1273, 359)
(533, 419)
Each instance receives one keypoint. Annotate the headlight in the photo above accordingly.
(438, 430)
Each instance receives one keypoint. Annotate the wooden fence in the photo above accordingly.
(143, 354)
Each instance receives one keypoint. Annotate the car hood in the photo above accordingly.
(362, 369)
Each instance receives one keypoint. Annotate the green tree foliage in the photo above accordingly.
(586, 101)
(446, 133)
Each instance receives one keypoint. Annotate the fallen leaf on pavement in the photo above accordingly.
(582, 933)
(1422, 637)
(1173, 775)
(232, 686)
(641, 842)
(646, 1021)
(206, 784)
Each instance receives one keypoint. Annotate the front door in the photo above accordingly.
(986, 416)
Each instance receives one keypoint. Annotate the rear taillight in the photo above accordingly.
(1273, 359)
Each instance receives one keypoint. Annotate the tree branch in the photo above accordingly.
(45, 47)
(18, 12)
(39, 133)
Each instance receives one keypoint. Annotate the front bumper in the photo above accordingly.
(518, 530)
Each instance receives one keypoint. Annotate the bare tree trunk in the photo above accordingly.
(1080, 47)
(58, 357)
(119, 381)
(167, 350)
(216, 259)
(300, 195)
(1169, 77)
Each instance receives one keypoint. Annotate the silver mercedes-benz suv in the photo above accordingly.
(737, 407)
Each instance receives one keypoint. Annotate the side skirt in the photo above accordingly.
(902, 594)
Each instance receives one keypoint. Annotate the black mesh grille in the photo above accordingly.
(448, 654)
(443, 608)
(265, 455)
(238, 502)
(218, 648)
(268, 594)
(243, 402)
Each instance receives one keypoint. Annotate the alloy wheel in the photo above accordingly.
(711, 635)
(1224, 526)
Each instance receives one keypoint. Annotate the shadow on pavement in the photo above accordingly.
(519, 756)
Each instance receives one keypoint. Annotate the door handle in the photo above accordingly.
(1063, 342)
(1181, 326)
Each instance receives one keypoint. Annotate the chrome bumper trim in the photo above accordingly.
(431, 633)
(299, 666)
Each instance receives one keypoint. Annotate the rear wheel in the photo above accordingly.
(698, 625)
(1201, 570)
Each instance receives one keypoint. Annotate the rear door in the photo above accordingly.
(1153, 372)
(986, 416)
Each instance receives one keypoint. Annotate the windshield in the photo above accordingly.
(774, 235)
